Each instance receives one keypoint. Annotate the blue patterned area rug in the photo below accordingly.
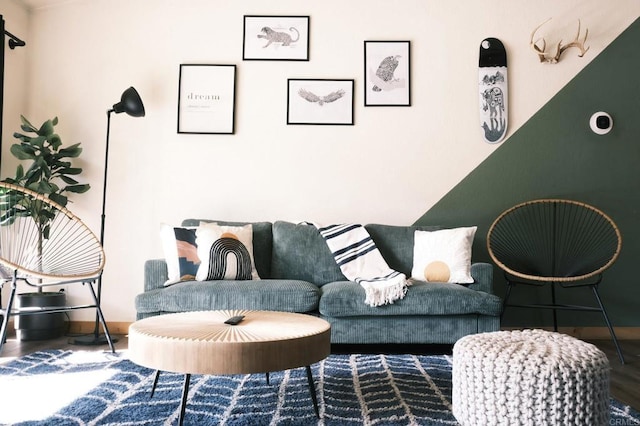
(95, 388)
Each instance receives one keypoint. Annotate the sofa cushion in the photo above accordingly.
(180, 252)
(262, 244)
(396, 244)
(271, 295)
(444, 255)
(300, 253)
(346, 299)
(225, 252)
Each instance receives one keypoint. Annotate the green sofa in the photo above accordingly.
(299, 274)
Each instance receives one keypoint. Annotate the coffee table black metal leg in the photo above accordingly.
(312, 391)
(267, 375)
(155, 383)
(183, 403)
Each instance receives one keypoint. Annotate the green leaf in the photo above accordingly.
(46, 231)
(33, 173)
(70, 171)
(45, 187)
(62, 164)
(71, 151)
(59, 198)
(55, 142)
(23, 152)
(9, 180)
(23, 138)
(26, 126)
(39, 141)
(19, 172)
(78, 189)
(46, 129)
(68, 180)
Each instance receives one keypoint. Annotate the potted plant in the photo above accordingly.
(50, 173)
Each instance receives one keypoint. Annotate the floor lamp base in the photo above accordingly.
(92, 340)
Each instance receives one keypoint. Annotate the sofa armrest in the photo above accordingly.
(155, 274)
(482, 274)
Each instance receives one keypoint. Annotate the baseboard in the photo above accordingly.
(594, 333)
(585, 333)
(85, 327)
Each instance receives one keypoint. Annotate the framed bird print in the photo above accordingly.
(316, 101)
(387, 71)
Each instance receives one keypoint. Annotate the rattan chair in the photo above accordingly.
(556, 243)
(43, 244)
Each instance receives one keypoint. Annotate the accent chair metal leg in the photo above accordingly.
(267, 377)
(506, 298)
(155, 383)
(312, 391)
(101, 317)
(183, 402)
(553, 302)
(7, 314)
(606, 319)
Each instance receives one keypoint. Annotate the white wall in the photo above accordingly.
(391, 167)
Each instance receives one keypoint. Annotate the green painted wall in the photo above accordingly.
(555, 155)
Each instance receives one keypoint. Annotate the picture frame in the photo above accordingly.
(275, 38)
(206, 99)
(387, 72)
(320, 101)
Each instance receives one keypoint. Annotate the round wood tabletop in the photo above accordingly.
(201, 343)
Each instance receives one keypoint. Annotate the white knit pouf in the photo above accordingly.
(529, 377)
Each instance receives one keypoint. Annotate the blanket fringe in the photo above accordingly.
(387, 295)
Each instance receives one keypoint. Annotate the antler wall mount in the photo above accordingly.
(548, 57)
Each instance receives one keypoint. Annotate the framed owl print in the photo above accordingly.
(387, 73)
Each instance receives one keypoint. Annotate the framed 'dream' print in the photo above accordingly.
(318, 101)
(387, 74)
(206, 99)
(276, 38)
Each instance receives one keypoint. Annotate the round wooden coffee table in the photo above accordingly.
(201, 343)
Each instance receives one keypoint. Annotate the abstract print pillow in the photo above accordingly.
(180, 252)
(443, 256)
(226, 252)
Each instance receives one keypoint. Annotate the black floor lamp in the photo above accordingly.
(130, 103)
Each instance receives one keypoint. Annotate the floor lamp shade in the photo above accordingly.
(130, 103)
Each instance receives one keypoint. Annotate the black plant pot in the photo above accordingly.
(40, 326)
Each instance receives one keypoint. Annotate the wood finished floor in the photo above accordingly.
(625, 379)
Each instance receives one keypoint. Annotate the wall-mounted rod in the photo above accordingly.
(13, 43)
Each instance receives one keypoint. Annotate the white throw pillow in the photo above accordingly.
(444, 255)
(226, 252)
(180, 252)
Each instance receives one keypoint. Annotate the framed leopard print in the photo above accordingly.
(275, 38)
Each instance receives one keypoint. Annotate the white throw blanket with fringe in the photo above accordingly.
(360, 260)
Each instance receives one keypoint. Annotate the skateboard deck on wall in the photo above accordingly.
(492, 87)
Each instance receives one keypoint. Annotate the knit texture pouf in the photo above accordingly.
(529, 377)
